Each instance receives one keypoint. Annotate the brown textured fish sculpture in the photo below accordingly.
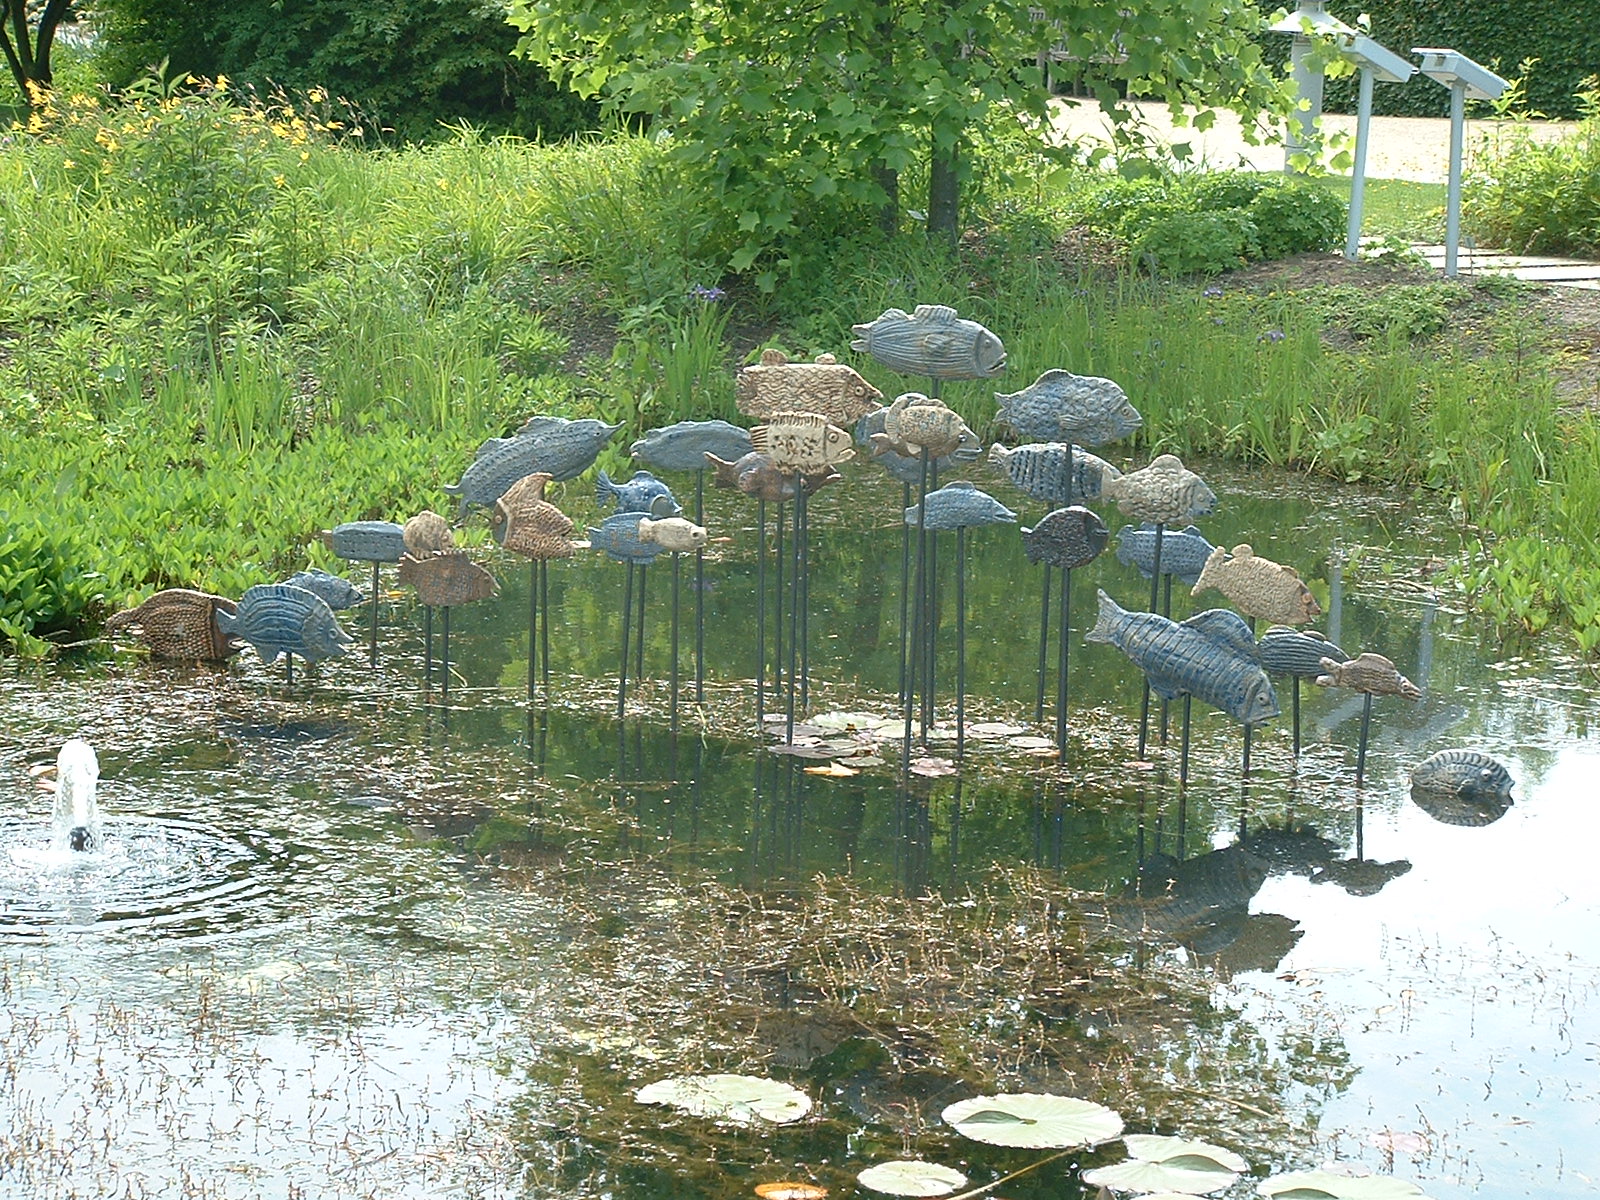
(179, 623)
(1258, 587)
(1164, 491)
(804, 443)
(447, 579)
(427, 533)
(1370, 673)
(755, 476)
(525, 523)
(826, 387)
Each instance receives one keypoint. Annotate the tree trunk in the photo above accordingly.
(944, 195)
(889, 214)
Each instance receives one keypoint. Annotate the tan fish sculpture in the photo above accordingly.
(1165, 491)
(678, 534)
(804, 443)
(826, 387)
(914, 423)
(427, 533)
(446, 579)
(1258, 587)
(1370, 673)
(525, 523)
(179, 623)
(931, 341)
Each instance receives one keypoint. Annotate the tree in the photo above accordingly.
(27, 42)
(787, 107)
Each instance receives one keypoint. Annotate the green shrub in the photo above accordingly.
(1295, 217)
(44, 589)
(1172, 241)
(1534, 197)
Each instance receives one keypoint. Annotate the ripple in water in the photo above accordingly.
(179, 877)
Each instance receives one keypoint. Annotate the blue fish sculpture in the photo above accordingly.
(683, 446)
(562, 448)
(958, 505)
(1284, 650)
(1059, 406)
(366, 541)
(644, 493)
(1054, 471)
(1211, 656)
(336, 591)
(907, 468)
(1183, 552)
(619, 536)
(279, 618)
(931, 341)
(1067, 538)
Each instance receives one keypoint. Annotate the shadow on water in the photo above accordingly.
(525, 911)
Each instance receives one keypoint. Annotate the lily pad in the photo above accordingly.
(1033, 1120)
(993, 729)
(931, 767)
(1142, 1175)
(1030, 741)
(741, 1099)
(860, 721)
(1183, 1152)
(907, 1177)
(833, 770)
(1327, 1185)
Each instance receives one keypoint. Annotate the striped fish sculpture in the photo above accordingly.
(279, 618)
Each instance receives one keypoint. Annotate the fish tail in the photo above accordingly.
(603, 486)
(226, 621)
(1207, 573)
(1110, 613)
(452, 489)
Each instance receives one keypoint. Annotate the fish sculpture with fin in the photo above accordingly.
(1054, 471)
(427, 533)
(958, 505)
(643, 493)
(1370, 673)
(619, 536)
(446, 579)
(560, 447)
(755, 475)
(1059, 406)
(1258, 587)
(1067, 538)
(366, 541)
(683, 446)
(1165, 491)
(178, 623)
(677, 534)
(1468, 774)
(1183, 551)
(278, 618)
(336, 591)
(826, 387)
(931, 341)
(1296, 652)
(802, 442)
(1211, 656)
(915, 423)
(908, 469)
(525, 523)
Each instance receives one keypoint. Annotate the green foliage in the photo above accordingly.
(44, 588)
(1531, 196)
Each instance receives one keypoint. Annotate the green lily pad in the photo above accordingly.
(1142, 1175)
(1033, 1120)
(1328, 1185)
(741, 1099)
(906, 1177)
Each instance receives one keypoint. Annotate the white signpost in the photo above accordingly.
(1464, 78)
(1374, 62)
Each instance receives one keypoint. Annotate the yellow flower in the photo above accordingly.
(277, 181)
(316, 95)
(222, 83)
(69, 164)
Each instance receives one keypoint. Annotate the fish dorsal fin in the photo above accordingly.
(1165, 462)
(758, 439)
(960, 485)
(941, 314)
(1190, 531)
(773, 358)
(825, 359)
(1225, 626)
(1243, 550)
(539, 425)
(492, 445)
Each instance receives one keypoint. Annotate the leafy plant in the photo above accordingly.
(44, 588)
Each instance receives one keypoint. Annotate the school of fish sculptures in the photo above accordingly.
(1295, 652)
(427, 533)
(644, 493)
(562, 448)
(1462, 787)
(280, 619)
(446, 579)
(1211, 656)
(1258, 587)
(1165, 491)
(683, 446)
(826, 387)
(1183, 551)
(803, 443)
(1059, 406)
(958, 505)
(525, 523)
(337, 592)
(1067, 538)
(931, 341)
(1054, 471)
(366, 541)
(1370, 673)
(755, 475)
(178, 623)
(916, 424)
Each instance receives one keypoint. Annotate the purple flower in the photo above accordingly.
(709, 294)
(1212, 292)
(1271, 335)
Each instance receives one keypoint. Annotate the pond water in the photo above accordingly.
(301, 964)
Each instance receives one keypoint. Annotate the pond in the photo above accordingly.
(353, 937)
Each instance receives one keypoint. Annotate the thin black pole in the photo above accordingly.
(1166, 611)
(905, 591)
(1062, 653)
(700, 591)
(1295, 693)
(444, 652)
(1183, 754)
(372, 655)
(1244, 762)
(930, 628)
(672, 702)
(427, 646)
(638, 650)
(627, 626)
(761, 613)
(803, 508)
(795, 603)
(961, 642)
(1361, 752)
(533, 624)
(1155, 592)
(544, 626)
(777, 606)
(1044, 638)
(288, 670)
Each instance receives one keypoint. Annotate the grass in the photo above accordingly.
(1399, 208)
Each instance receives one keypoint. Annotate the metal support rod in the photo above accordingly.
(444, 651)
(1044, 639)
(533, 623)
(1183, 752)
(1155, 595)
(761, 612)
(1452, 206)
(905, 593)
(372, 644)
(427, 646)
(638, 650)
(1358, 174)
(1361, 750)
(627, 626)
(1244, 762)
(700, 591)
(544, 626)
(961, 642)
(672, 684)
(795, 600)
(1062, 652)
(1294, 691)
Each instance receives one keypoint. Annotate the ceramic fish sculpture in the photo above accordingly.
(931, 341)
(278, 618)
(1258, 587)
(619, 537)
(915, 423)
(802, 442)
(336, 591)
(755, 476)
(1470, 774)
(525, 523)
(446, 579)
(366, 541)
(427, 533)
(643, 493)
(1183, 552)
(1211, 656)
(1164, 491)
(826, 387)
(178, 623)
(683, 446)
(958, 505)
(560, 447)
(904, 467)
(1067, 538)
(1059, 406)
(1370, 673)
(677, 534)
(1054, 471)
(1286, 651)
